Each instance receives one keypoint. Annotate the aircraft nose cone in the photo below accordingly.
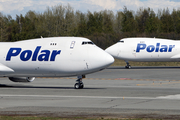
(112, 50)
(108, 59)
(100, 59)
(109, 50)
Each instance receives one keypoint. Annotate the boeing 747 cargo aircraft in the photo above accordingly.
(22, 61)
(145, 50)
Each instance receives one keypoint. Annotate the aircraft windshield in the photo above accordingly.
(84, 43)
(121, 41)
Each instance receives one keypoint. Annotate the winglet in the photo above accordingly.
(4, 68)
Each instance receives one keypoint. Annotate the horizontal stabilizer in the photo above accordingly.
(176, 56)
(4, 68)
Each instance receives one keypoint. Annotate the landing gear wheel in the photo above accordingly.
(79, 86)
(128, 67)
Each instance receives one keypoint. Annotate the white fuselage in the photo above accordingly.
(56, 56)
(146, 49)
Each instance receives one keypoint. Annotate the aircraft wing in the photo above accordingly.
(4, 68)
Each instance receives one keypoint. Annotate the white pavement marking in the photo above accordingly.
(170, 97)
(173, 97)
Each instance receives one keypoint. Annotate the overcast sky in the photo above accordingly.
(13, 7)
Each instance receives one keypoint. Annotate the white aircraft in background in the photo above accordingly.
(52, 57)
(145, 50)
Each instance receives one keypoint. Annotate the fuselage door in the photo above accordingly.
(72, 44)
(75, 52)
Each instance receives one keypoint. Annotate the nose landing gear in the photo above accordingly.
(128, 66)
(79, 84)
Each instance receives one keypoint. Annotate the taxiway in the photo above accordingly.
(115, 92)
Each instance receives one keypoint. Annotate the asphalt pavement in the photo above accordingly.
(152, 92)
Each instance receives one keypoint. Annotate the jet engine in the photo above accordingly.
(22, 79)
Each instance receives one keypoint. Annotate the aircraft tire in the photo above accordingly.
(128, 67)
(81, 85)
(77, 86)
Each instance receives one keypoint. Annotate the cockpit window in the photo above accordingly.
(91, 43)
(122, 41)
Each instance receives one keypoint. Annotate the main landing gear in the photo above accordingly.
(128, 66)
(79, 84)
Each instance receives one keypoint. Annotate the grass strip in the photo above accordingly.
(57, 118)
(132, 63)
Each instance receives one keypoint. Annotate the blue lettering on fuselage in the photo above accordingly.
(45, 55)
(152, 48)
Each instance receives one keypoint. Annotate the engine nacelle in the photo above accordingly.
(22, 79)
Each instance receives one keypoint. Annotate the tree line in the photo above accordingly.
(104, 28)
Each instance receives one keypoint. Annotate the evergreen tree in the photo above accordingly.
(82, 26)
(151, 23)
(94, 23)
(107, 21)
(3, 28)
(118, 22)
(128, 22)
(166, 21)
(176, 20)
(142, 18)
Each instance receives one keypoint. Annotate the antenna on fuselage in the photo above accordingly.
(41, 37)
